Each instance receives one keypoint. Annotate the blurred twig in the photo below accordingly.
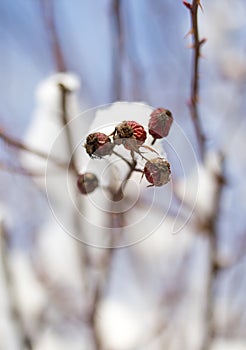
(196, 45)
(15, 143)
(24, 338)
(65, 121)
(115, 221)
(211, 228)
(48, 7)
(134, 59)
(19, 170)
(210, 225)
(117, 49)
(82, 249)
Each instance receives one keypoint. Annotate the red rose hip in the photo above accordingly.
(160, 123)
(157, 171)
(131, 134)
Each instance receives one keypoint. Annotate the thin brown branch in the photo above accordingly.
(118, 195)
(21, 146)
(98, 294)
(194, 98)
(133, 57)
(122, 158)
(19, 170)
(48, 9)
(116, 221)
(65, 120)
(213, 268)
(104, 277)
(82, 249)
(117, 49)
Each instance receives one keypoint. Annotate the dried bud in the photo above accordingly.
(157, 171)
(160, 123)
(87, 183)
(131, 134)
(98, 145)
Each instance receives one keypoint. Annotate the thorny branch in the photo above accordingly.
(209, 226)
(196, 45)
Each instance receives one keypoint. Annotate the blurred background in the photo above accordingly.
(62, 59)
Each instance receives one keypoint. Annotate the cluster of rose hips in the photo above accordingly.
(132, 136)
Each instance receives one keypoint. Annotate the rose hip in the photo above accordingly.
(157, 171)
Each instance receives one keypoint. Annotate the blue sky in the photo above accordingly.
(153, 41)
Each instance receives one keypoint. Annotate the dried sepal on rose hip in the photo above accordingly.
(98, 145)
(160, 123)
(87, 183)
(131, 134)
(157, 171)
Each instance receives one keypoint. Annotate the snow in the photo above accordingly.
(229, 344)
(120, 324)
(203, 195)
(8, 332)
(51, 340)
(30, 293)
(46, 125)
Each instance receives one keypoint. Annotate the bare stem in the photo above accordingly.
(118, 195)
(118, 49)
(19, 170)
(82, 249)
(13, 142)
(196, 44)
(214, 267)
(65, 120)
(106, 267)
(122, 158)
(49, 19)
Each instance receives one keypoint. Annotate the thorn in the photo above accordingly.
(200, 5)
(188, 103)
(195, 100)
(190, 32)
(191, 46)
(188, 5)
(203, 41)
(201, 56)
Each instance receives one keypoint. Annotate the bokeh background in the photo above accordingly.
(183, 291)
